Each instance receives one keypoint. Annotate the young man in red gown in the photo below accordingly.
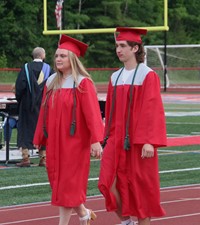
(134, 129)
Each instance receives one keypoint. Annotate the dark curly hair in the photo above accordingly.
(140, 54)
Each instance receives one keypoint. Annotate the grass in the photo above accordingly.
(180, 77)
(179, 161)
(180, 129)
(182, 160)
(179, 178)
(25, 195)
(9, 77)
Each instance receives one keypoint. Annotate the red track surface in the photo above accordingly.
(182, 205)
(185, 140)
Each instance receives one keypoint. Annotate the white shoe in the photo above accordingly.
(87, 218)
(130, 223)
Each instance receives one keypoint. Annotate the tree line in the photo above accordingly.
(22, 26)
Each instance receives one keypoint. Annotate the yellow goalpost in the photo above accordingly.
(102, 30)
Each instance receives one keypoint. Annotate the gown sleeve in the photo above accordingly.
(20, 84)
(91, 110)
(151, 127)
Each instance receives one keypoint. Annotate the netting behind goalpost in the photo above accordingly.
(183, 64)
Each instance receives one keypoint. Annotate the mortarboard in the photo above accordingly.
(77, 47)
(130, 34)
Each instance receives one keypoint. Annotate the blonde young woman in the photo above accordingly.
(70, 126)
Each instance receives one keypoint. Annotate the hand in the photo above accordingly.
(147, 151)
(37, 146)
(96, 150)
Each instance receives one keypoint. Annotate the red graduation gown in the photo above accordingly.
(68, 157)
(137, 178)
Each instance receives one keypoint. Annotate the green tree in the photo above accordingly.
(21, 31)
(3, 61)
(184, 20)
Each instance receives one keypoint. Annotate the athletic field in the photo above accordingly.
(179, 164)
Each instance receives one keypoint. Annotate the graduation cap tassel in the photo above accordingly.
(104, 142)
(72, 128)
(73, 124)
(127, 143)
(45, 132)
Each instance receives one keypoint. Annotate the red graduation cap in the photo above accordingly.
(77, 47)
(130, 34)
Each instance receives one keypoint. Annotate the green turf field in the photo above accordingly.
(178, 165)
(9, 77)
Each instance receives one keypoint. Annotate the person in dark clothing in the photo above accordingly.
(29, 88)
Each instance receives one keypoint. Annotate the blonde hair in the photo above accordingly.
(77, 69)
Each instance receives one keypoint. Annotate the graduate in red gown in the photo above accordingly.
(70, 125)
(134, 129)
